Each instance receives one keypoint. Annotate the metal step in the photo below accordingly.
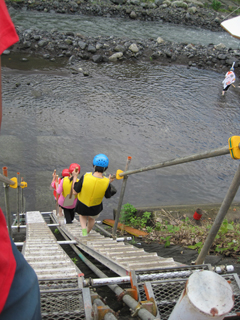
(43, 252)
(119, 257)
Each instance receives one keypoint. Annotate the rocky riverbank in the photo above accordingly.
(76, 47)
(51, 45)
(187, 12)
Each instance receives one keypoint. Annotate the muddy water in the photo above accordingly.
(153, 113)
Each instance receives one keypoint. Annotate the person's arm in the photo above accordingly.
(59, 188)
(53, 179)
(76, 185)
(111, 190)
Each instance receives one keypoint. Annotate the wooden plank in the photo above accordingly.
(134, 232)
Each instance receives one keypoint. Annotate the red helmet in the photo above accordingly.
(65, 173)
(73, 166)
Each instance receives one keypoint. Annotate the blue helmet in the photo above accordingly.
(231, 69)
(100, 160)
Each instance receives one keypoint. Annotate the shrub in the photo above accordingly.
(216, 5)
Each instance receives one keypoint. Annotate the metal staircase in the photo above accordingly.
(42, 251)
(118, 256)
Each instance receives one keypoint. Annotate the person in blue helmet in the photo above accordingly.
(90, 190)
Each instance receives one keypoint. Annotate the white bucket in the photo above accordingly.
(207, 295)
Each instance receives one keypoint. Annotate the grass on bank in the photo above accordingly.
(184, 231)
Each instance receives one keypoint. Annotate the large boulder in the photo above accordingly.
(160, 40)
(116, 56)
(134, 48)
(179, 4)
(220, 46)
(91, 48)
(97, 58)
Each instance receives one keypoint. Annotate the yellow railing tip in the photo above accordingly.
(234, 143)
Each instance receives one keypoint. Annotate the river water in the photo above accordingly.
(133, 29)
(152, 112)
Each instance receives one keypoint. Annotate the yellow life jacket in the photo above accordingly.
(67, 185)
(93, 190)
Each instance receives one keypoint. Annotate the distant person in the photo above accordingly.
(229, 79)
(65, 173)
(90, 190)
(67, 201)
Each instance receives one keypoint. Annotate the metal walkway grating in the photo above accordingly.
(117, 256)
(61, 297)
(167, 290)
(42, 251)
(59, 305)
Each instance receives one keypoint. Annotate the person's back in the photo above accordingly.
(228, 80)
(67, 201)
(91, 189)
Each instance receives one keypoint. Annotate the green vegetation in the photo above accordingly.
(75, 260)
(184, 232)
(129, 218)
(216, 5)
(56, 231)
(133, 241)
(127, 213)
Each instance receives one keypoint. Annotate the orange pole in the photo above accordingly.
(5, 171)
(57, 196)
(18, 200)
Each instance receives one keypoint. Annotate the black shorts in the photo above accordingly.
(227, 87)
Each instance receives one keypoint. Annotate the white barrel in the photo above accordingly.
(207, 295)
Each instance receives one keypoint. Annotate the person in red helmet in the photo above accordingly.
(90, 190)
(67, 201)
(65, 173)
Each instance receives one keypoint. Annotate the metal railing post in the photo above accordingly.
(6, 196)
(18, 200)
(22, 207)
(220, 216)
(124, 183)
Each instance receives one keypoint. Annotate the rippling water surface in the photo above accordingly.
(150, 112)
(119, 27)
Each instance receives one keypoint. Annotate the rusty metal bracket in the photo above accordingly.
(99, 312)
(94, 296)
(135, 311)
(149, 305)
(131, 292)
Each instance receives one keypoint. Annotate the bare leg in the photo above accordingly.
(83, 221)
(90, 225)
(60, 211)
